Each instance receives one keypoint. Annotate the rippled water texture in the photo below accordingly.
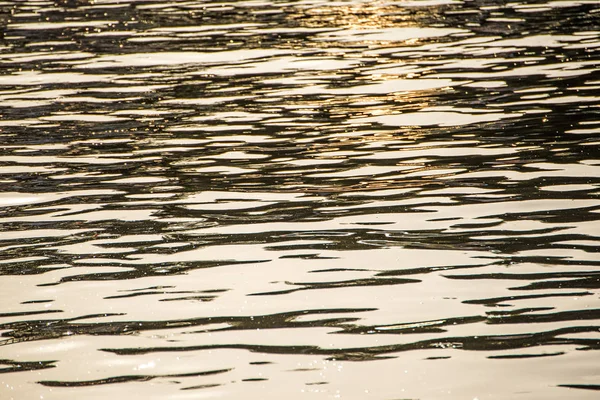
(299, 199)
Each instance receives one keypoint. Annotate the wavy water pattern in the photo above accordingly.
(282, 199)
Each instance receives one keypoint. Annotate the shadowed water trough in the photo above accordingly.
(299, 199)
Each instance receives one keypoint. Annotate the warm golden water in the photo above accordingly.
(299, 199)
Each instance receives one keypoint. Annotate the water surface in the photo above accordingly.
(299, 199)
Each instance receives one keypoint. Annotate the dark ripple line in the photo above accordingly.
(586, 387)
(477, 343)
(518, 356)
(435, 326)
(583, 283)
(129, 378)
(50, 329)
(339, 284)
(208, 385)
(25, 313)
(495, 300)
(19, 366)
(528, 276)
(579, 315)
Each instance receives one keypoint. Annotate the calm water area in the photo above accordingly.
(303, 199)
